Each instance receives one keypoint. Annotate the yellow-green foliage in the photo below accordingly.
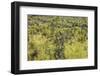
(76, 50)
(57, 37)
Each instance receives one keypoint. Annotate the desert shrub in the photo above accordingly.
(57, 37)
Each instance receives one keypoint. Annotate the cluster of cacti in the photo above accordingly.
(57, 37)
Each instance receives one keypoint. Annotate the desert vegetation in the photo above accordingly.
(57, 37)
